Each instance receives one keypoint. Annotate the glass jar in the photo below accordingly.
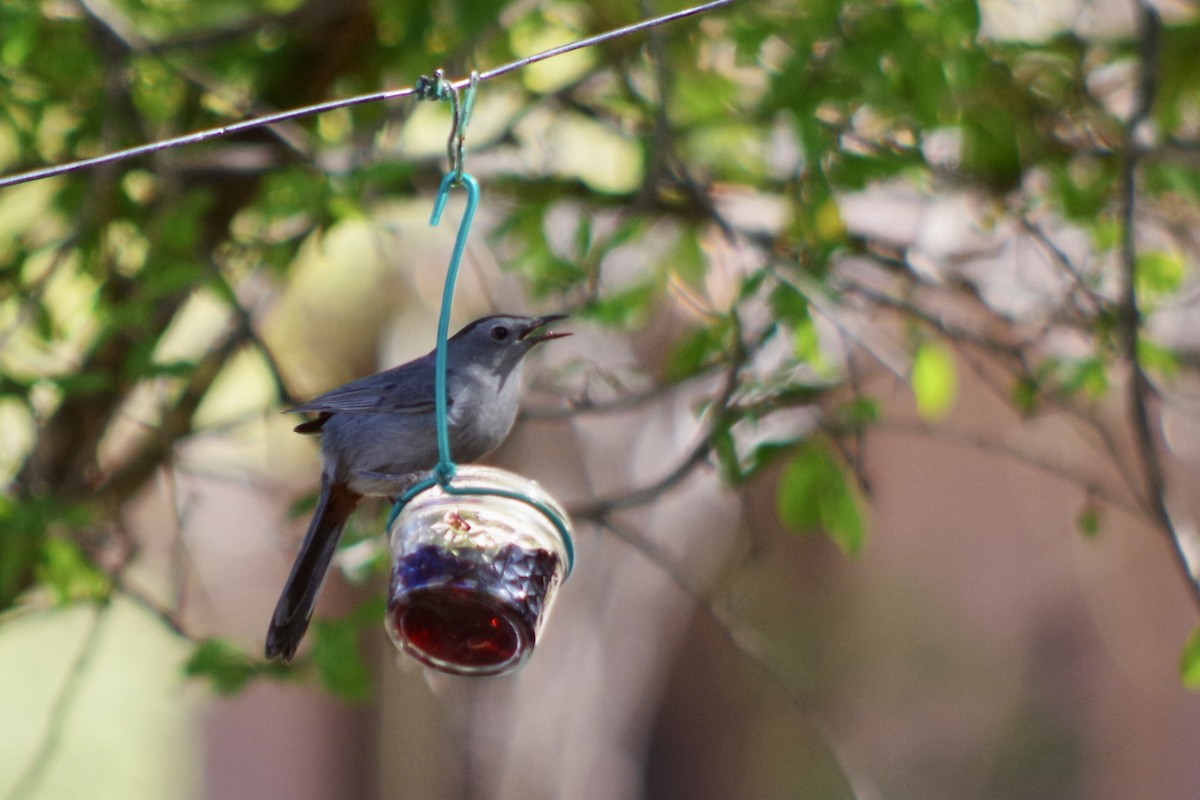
(474, 575)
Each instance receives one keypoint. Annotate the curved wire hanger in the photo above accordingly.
(438, 88)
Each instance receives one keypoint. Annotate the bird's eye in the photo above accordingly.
(499, 333)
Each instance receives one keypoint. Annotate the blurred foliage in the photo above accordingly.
(814, 494)
(228, 668)
(745, 130)
(1190, 662)
(337, 653)
(934, 380)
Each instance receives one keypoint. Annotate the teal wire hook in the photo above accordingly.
(438, 88)
(445, 467)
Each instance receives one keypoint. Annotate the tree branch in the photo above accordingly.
(177, 423)
(122, 31)
(726, 622)
(1150, 27)
(600, 508)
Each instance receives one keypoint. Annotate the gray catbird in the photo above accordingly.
(377, 432)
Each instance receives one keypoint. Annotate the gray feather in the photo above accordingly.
(403, 390)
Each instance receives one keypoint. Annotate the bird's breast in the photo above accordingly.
(354, 444)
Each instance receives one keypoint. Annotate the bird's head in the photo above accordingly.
(502, 341)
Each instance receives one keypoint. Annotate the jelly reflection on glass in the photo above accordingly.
(474, 575)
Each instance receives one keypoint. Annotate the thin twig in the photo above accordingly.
(1016, 354)
(820, 302)
(645, 494)
(179, 556)
(699, 453)
(986, 444)
(176, 423)
(139, 597)
(38, 288)
(574, 406)
(804, 702)
(246, 321)
(913, 311)
(332, 105)
(1059, 257)
(731, 626)
(662, 136)
(122, 31)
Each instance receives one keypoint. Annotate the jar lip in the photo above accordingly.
(480, 480)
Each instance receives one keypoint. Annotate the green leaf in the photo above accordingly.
(1174, 178)
(735, 150)
(853, 172)
(704, 96)
(167, 369)
(156, 90)
(293, 191)
(1089, 521)
(814, 495)
(337, 656)
(1089, 375)
(532, 257)
(764, 455)
(22, 532)
(35, 547)
(697, 351)
(1158, 274)
(1176, 55)
(991, 150)
(1085, 186)
(1025, 395)
(688, 259)
(857, 414)
(72, 576)
(473, 16)
(83, 383)
(1161, 359)
(1106, 232)
(806, 344)
(623, 309)
(934, 380)
(789, 304)
(1189, 662)
(303, 506)
(726, 452)
(229, 668)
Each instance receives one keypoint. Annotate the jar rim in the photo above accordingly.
(482, 481)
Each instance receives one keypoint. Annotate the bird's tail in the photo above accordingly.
(299, 597)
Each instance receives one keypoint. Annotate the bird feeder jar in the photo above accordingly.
(474, 574)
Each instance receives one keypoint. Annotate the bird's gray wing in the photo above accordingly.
(400, 391)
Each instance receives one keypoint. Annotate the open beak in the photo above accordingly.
(528, 335)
